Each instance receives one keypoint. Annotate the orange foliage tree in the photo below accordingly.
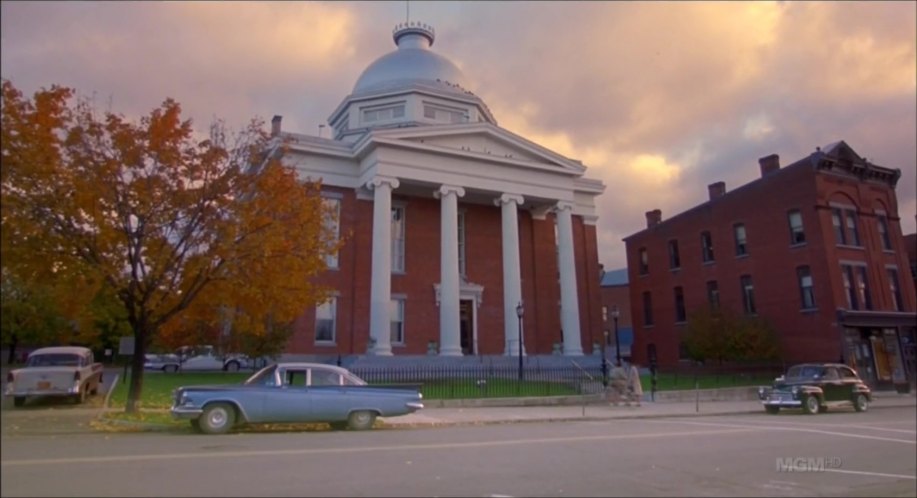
(178, 228)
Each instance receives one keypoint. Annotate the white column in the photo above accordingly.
(512, 280)
(569, 303)
(381, 287)
(450, 340)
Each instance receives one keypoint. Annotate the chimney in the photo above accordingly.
(653, 218)
(769, 164)
(716, 189)
(275, 125)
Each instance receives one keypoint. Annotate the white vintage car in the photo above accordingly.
(196, 358)
(57, 371)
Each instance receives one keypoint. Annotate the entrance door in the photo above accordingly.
(466, 326)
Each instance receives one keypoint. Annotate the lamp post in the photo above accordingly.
(614, 315)
(604, 361)
(519, 312)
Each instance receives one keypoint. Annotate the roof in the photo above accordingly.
(613, 278)
(61, 350)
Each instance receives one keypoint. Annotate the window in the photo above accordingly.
(674, 260)
(383, 113)
(333, 223)
(894, 288)
(741, 242)
(445, 115)
(706, 242)
(461, 243)
(324, 320)
(797, 233)
(713, 294)
(680, 315)
(849, 291)
(396, 315)
(647, 309)
(604, 313)
(398, 239)
(882, 226)
(845, 226)
(644, 261)
(748, 295)
(806, 288)
(863, 288)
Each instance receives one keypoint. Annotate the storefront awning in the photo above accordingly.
(877, 319)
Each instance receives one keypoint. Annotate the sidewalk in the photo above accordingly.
(451, 416)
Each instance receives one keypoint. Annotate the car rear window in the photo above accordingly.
(54, 360)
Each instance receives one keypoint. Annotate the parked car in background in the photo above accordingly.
(815, 387)
(69, 371)
(196, 358)
(290, 393)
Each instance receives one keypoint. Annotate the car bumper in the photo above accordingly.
(788, 403)
(70, 391)
(186, 412)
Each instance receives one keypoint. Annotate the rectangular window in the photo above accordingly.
(748, 295)
(797, 233)
(674, 259)
(882, 226)
(398, 239)
(741, 242)
(324, 320)
(680, 315)
(445, 115)
(849, 290)
(863, 288)
(333, 223)
(396, 315)
(713, 294)
(895, 289)
(604, 313)
(706, 242)
(806, 287)
(839, 236)
(647, 309)
(383, 113)
(461, 243)
(853, 235)
(644, 261)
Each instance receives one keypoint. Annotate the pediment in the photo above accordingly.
(481, 140)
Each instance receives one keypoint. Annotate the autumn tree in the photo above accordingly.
(173, 224)
(720, 335)
(28, 314)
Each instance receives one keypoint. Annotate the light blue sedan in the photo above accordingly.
(293, 393)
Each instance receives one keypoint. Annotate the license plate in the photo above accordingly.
(44, 385)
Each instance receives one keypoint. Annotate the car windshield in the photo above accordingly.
(54, 360)
(264, 377)
(805, 372)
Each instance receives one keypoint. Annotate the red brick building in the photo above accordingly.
(815, 248)
(453, 225)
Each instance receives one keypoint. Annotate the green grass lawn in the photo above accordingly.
(676, 382)
(158, 386)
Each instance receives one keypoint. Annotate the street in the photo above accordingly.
(839, 453)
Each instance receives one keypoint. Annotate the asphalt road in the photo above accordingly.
(835, 454)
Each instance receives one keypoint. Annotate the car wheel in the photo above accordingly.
(217, 418)
(170, 368)
(811, 405)
(773, 410)
(232, 366)
(18, 400)
(860, 403)
(361, 420)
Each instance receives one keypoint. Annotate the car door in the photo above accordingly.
(330, 398)
(290, 401)
(849, 382)
(832, 385)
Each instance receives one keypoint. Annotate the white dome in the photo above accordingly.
(413, 62)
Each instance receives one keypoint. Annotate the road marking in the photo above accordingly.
(878, 474)
(853, 426)
(310, 451)
(796, 429)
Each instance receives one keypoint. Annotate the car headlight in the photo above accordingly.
(795, 391)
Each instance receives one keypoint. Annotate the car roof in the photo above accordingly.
(302, 364)
(822, 365)
(61, 350)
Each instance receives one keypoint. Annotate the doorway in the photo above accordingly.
(466, 326)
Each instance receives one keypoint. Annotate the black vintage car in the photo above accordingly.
(814, 387)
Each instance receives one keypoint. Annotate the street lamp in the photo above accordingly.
(519, 312)
(604, 361)
(614, 315)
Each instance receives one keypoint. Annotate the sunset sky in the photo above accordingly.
(658, 99)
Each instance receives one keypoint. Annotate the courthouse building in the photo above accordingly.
(460, 235)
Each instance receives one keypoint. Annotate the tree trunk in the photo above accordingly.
(137, 361)
(14, 341)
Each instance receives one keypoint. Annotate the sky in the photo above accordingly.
(657, 99)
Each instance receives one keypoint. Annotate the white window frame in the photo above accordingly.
(396, 312)
(797, 231)
(325, 308)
